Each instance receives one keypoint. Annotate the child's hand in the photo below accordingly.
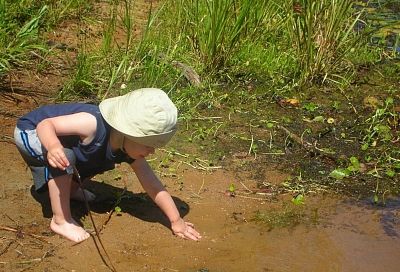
(185, 230)
(56, 157)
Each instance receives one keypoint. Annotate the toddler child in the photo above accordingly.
(54, 139)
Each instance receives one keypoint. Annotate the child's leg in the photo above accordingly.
(62, 221)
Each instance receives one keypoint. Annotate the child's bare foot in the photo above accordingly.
(78, 195)
(70, 230)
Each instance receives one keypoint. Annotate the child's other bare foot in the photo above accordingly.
(78, 195)
(70, 230)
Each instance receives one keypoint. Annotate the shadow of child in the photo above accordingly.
(139, 205)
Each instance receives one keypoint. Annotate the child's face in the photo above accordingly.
(136, 150)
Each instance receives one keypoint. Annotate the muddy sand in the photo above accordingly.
(344, 234)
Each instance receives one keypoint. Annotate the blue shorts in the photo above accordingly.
(35, 155)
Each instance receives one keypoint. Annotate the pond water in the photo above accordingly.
(383, 19)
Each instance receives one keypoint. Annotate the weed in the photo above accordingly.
(298, 199)
(310, 107)
(288, 216)
(17, 41)
(353, 167)
(379, 125)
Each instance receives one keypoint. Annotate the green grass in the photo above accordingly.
(23, 22)
(18, 34)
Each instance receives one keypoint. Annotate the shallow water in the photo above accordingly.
(383, 18)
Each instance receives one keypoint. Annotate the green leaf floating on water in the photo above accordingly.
(339, 173)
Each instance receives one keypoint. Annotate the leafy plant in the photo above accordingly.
(341, 173)
(380, 125)
(310, 107)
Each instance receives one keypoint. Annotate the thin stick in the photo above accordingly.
(251, 145)
(249, 197)
(41, 238)
(306, 145)
(111, 212)
(6, 247)
(207, 118)
(246, 187)
(112, 268)
(201, 187)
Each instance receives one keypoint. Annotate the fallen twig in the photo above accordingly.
(250, 191)
(7, 139)
(7, 247)
(249, 197)
(311, 148)
(20, 232)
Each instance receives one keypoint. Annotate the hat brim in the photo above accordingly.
(155, 141)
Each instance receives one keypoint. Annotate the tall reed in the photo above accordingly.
(322, 33)
(216, 28)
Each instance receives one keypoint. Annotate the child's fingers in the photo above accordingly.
(58, 161)
(64, 159)
(54, 163)
(195, 233)
(192, 234)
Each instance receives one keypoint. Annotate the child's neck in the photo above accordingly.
(116, 140)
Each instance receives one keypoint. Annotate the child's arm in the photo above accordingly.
(48, 130)
(163, 199)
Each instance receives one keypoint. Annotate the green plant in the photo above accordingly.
(298, 199)
(16, 39)
(310, 107)
(232, 189)
(353, 167)
(380, 124)
(322, 32)
(215, 28)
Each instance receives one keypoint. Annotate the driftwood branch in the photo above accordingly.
(309, 147)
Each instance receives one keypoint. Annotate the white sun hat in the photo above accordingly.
(146, 116)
